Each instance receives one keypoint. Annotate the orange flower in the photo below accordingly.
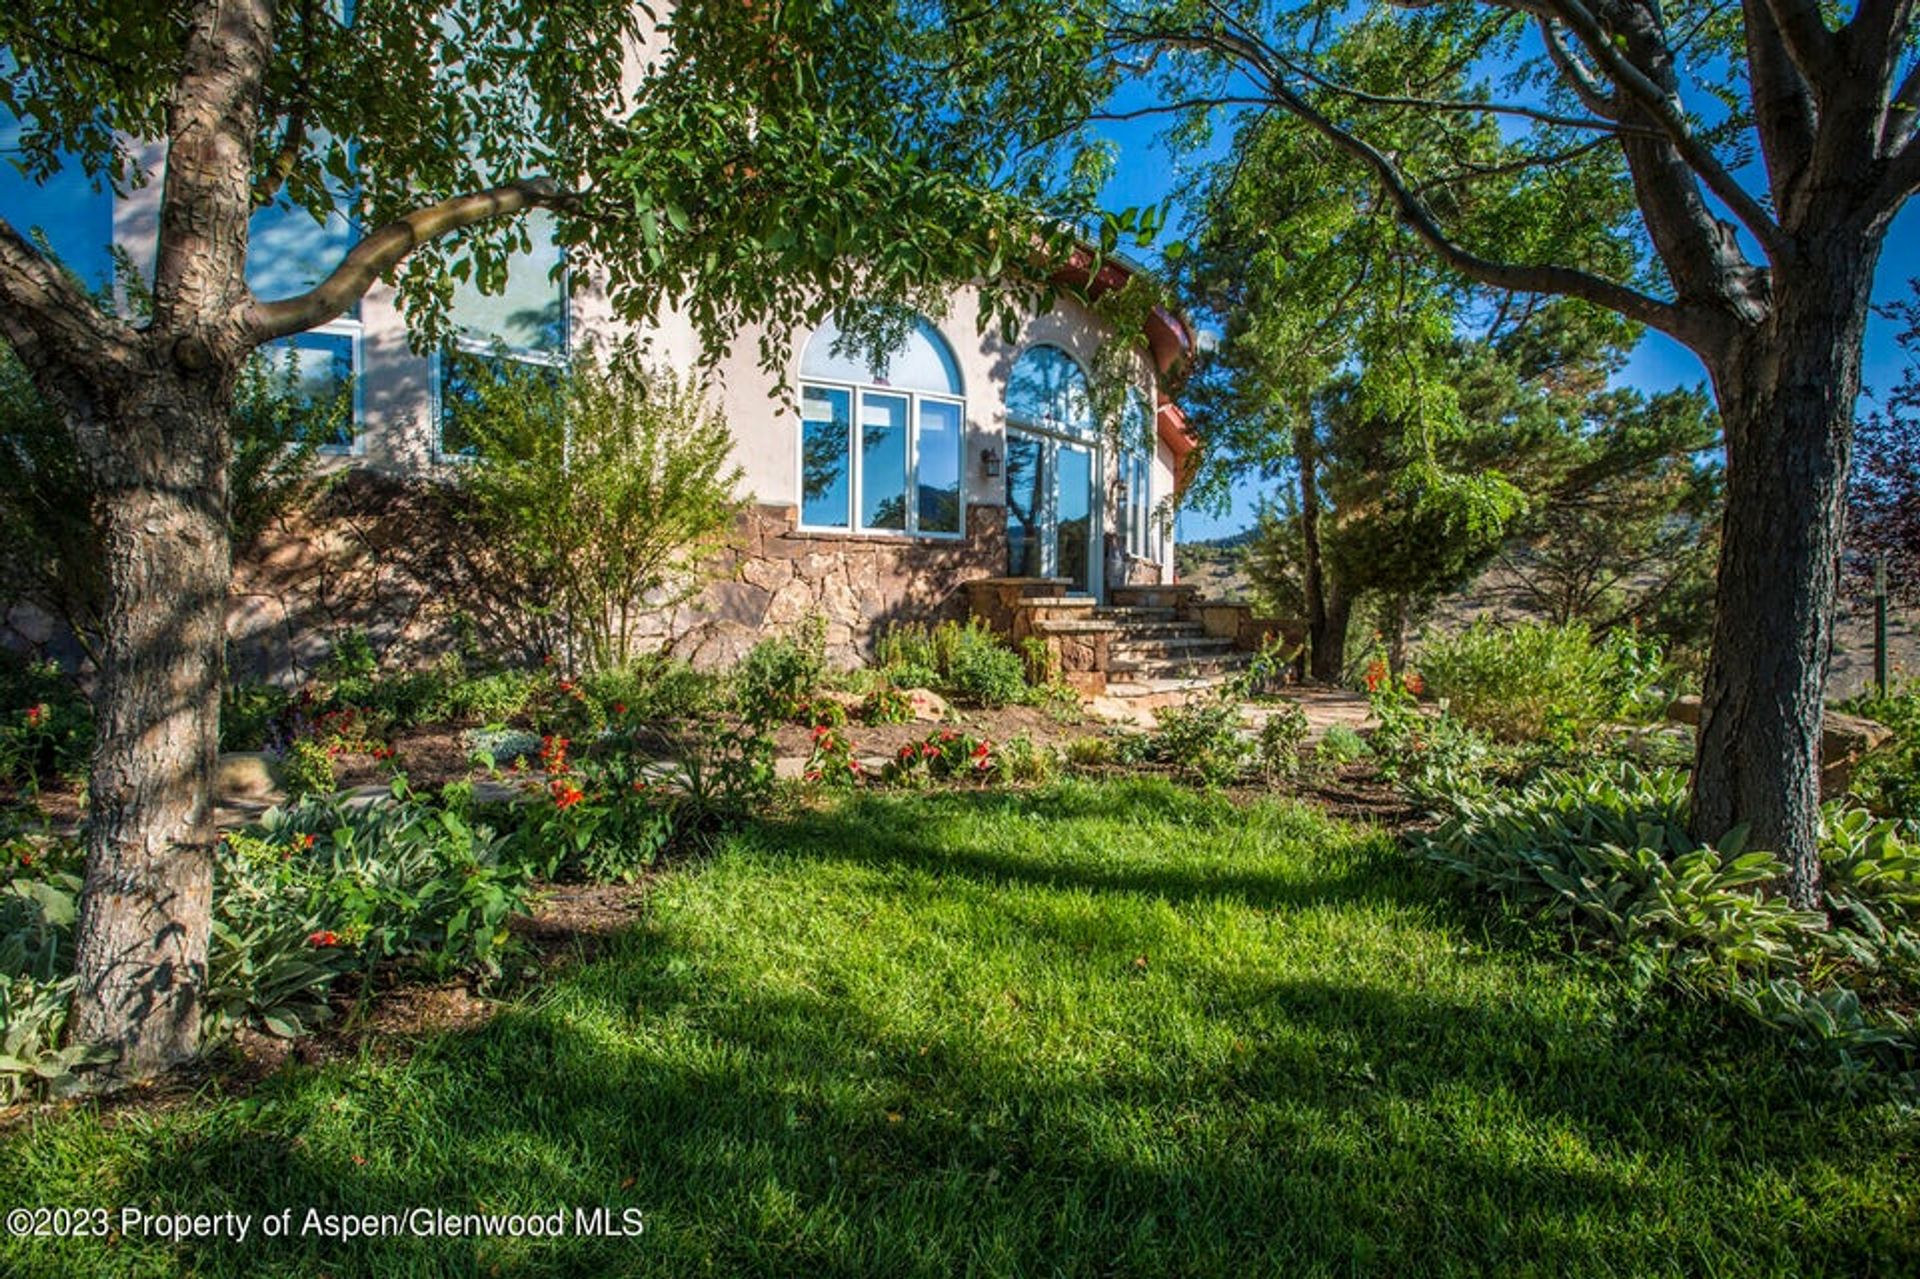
(566, 795)
(323, 938)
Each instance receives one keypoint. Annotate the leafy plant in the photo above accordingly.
(248, 713)
(1522, 682)
(776, 679)
(1340, 746)
(307, 770)
(46, 726)
(966, 661)
(1202, 741)
(603, 492)
(1282, 736)
(1888, 779)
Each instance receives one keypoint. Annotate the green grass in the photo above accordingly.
(1101, 1030)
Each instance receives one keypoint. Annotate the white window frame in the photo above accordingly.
(857, 393)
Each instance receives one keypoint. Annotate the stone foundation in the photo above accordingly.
(391, 557)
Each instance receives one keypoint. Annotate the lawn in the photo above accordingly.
(1102, 1029)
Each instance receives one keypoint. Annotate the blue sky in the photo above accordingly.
(1146, 176)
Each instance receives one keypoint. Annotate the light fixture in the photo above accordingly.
(989, 464)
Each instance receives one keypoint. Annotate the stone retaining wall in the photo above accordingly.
(390, 556)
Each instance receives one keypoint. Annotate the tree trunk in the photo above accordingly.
(1786, 391)
(1328, 607)
(141, 947)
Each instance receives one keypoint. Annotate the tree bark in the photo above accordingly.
(141, 945)
(1786, 389)
(1327, 607)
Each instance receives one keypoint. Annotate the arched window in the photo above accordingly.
(1048, 392)
(881, 447)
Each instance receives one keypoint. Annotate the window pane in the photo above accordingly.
(1075, 516)
(317, 368)
(530, 314)
(1048, 389)
(826, 418)
(939, 467)
(1026, 511)
(883, 461)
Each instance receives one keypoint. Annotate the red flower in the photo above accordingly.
(306, 841)
(639, 784)
(323, 938)
(1376, 675)
(929, 750)
(566, 795)
(906, 752)
(1414, 683)
(35, 714)
(619, 708)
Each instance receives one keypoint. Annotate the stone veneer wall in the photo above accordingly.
(390, 556)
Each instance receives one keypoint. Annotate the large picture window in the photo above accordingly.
(522, 327)
(881, 448)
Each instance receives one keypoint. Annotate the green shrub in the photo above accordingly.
(1888, 780)
(1202, 741)
(965, 661)
(1021, 761)
(1531, 680)
(986, 673)
(1340, 746)
(602, 495)
(779, 675)
(1281, 738)
(1432, 755)
(307, 770)
(248, 713)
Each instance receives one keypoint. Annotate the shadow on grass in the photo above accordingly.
(1272, 1123)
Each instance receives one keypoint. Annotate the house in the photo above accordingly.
(879, 493)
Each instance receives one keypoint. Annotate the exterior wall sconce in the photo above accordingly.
(989, 464)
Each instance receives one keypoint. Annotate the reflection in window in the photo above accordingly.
(941, 448)
(826, 420)
(881, 448)
(467, 380)
(883, 461)
(319, 369)
(1049, 391)
(1136, 479)
(529, 314)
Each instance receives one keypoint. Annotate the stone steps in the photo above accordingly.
(1129, 644)
(1138, 669)
(1138, 613)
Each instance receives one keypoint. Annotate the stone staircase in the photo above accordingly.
(1148, 647)
(1162, 652)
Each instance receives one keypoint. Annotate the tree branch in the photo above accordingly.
(73, 350)
(381, 251)
(1901, 119)
(1805, 36)
(1685, 324)
(1784, 106)
(1665, 109)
